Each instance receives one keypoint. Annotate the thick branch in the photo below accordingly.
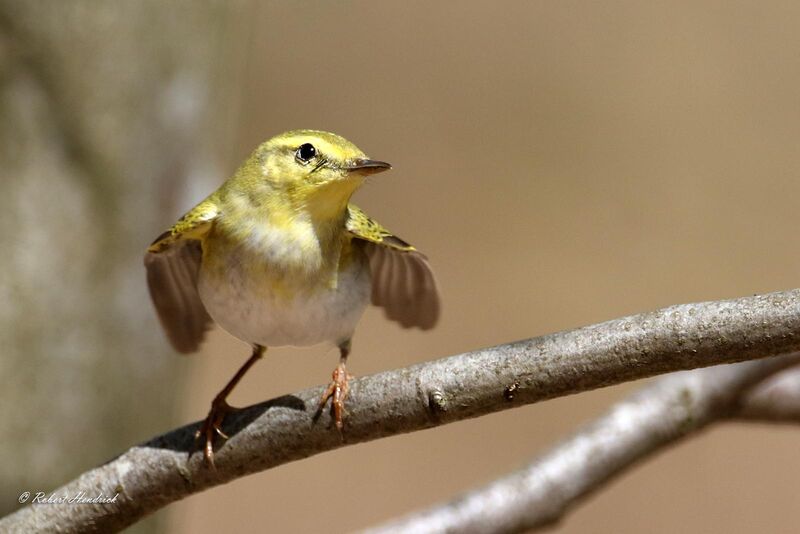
(647, 421)
(161, 471)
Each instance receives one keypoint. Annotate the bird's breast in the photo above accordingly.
(274, 287)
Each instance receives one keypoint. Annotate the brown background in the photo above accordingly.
(562, 163)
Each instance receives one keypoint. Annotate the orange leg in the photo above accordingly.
(338, 388)
(220, 408)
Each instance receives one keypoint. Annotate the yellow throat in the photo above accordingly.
(283, 213)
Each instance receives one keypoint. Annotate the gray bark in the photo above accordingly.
(658, 415)
(775, 400)
(163, 470)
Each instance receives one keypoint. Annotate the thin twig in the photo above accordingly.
(151, 475)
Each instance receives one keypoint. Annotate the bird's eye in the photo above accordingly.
(305, 153)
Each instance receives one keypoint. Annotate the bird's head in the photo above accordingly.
(309, 169)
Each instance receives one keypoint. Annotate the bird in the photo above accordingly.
(278, 255)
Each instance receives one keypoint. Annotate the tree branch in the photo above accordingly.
(654, 417)
(776, 400)
(153, 474)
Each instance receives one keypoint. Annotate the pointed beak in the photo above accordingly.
(368, 166)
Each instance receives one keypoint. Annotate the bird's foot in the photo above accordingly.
(212, 426)
(337, 391)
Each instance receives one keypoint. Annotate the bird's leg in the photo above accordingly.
(220, 408)
(338, 388)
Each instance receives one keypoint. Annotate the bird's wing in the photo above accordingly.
(173, 263)
(402, 281)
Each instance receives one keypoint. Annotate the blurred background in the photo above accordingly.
(562, 163)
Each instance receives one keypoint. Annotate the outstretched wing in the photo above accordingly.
(173, 264)
(402, 280)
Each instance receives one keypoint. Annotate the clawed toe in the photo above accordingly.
(212, 426)
(337, 391)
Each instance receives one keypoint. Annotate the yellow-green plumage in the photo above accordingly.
(278, 240)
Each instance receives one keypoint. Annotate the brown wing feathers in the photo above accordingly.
(402, 281)
(172, 280)
(403, 285)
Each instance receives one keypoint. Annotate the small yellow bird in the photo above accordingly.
(278, 256)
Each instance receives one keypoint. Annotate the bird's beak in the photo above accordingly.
(368, 166)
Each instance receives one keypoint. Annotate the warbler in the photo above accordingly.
(278, 256)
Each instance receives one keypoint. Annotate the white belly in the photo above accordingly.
(254, 314)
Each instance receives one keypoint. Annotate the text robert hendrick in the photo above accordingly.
(81, 497)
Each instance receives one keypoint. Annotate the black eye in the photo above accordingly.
(305, 153)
